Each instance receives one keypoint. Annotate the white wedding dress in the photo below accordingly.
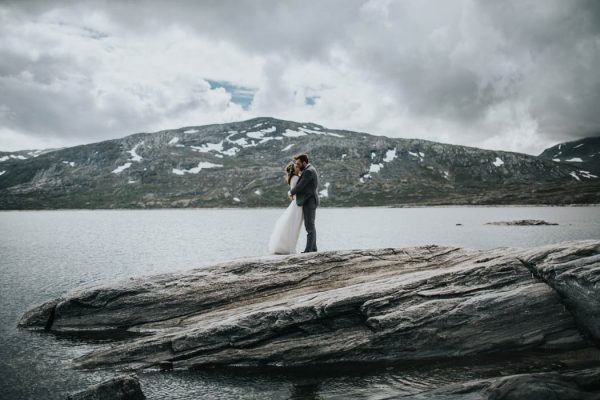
(287, 228)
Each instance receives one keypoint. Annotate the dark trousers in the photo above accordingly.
(309, 209)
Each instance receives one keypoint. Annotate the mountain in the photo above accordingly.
(241, 164)
(585, 153)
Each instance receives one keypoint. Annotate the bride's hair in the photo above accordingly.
(289, 172)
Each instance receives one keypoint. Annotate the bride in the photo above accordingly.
(287, 228)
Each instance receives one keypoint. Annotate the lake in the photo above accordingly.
(46, 253)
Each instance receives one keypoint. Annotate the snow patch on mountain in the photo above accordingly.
(375, 167)
(498, 162)
(201, 165)
(363, 177)
(207, 147)
(260, 134)
(291, 133)
(231, 151)
(36, 153)
(587, 174)
(134, 156)
(19, 157)
(304, 131)
(121, 168)
(240, 142)
(325, 192)
(420, 155)
(390, 155)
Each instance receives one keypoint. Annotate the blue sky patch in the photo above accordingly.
(310, 100)
(239, 94)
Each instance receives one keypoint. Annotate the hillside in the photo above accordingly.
(241, 164)
(583, 152)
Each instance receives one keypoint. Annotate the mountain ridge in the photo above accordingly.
(240, 164)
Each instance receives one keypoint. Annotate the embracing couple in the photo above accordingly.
(303, 181)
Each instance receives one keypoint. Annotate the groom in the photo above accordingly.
(307, 197)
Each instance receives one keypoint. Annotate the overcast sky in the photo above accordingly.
(512, 75)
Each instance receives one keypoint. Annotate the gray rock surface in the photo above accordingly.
(126, 387)
(385, 305)
(576, 278)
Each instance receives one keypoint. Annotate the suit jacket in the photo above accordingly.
(306, 188)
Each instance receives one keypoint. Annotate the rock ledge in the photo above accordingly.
(355, 306)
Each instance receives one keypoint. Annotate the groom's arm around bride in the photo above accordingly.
(305, 188)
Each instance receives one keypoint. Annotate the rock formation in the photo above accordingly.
(522, 222)
(355, 306)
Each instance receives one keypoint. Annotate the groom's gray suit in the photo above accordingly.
(307, 197)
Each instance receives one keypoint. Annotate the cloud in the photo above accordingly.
(60, 79)
(515, 75)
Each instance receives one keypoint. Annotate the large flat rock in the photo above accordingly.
(384, 305)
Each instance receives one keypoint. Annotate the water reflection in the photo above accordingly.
(305, 391)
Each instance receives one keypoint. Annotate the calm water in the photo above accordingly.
(45, 253)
